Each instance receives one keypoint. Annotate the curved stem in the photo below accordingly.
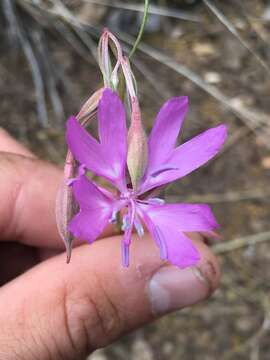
(144, 20)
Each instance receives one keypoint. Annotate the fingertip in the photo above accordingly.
(209, 265)
(173, 289)
(9, 144)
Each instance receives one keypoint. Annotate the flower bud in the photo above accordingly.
(65, 206)
(65, 203)
(89, 107)
(106, 58)
(137, 145)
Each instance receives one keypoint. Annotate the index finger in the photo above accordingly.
(9, 144)
(28, 188)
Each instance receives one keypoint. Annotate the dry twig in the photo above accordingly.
(154, 10)
(241, 242)
(227, 197)
(228, 24)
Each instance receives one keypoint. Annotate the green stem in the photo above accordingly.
(144, 20)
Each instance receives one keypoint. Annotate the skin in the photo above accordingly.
(51, 310)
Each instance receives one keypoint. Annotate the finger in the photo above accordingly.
(9, 144)
(28, 191)
(66, 311)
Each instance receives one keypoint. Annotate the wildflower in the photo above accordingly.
(167, 223)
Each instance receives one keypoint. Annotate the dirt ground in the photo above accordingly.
(235, 322)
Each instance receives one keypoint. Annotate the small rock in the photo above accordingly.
(244, 324)
(141, 350)
(242, 101)
(168, 348)
(203, 49)
(240, 24)
(266, 162)
(177, 32)
(212, 77)
(266, 14)
(250, 252)
(98, 355)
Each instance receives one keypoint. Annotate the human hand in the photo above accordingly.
(59, 311)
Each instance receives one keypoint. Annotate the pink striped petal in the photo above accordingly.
(163, 137)
(174, 246)
(95, 210)
(88, 151)
(112, 130)
(186, 158)
(184, 217)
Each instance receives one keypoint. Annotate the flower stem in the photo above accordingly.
(144, 20)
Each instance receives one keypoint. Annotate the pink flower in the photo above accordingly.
(167, 223)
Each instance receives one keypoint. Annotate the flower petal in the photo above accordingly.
(174, 245)
(187, 157)
(89, 152)
(95, 210)
(112, 130)
(184, 217)
(162, 139)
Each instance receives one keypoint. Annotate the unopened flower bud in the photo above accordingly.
(90, 106)
(65, 203)
(137, 145)
(107, 58)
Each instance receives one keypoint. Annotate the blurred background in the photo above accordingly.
(217, 53)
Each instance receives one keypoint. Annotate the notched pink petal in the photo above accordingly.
(96, 209)
(188, 157)
(163, 137)
(88, 151)
(174, 246)
(89, 196)
(112, 130)
(88, 225)
(184, 217)
(182, 252)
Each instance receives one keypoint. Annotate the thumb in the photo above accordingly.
(58, 311)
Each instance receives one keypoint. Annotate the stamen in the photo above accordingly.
(127, 235)
(113, 219)
(70, 182)
(125, 254)
(139, 227)
(155, 201)
(131, 218)
(162, 244)
(125, 223)
(81, 172)
(82, 169)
